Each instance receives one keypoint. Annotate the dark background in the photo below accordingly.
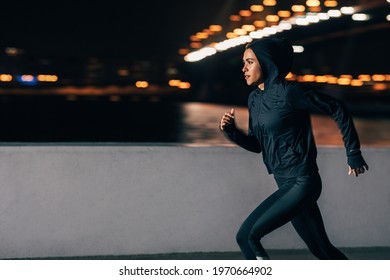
(85, 43)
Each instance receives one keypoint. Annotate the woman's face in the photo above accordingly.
(251, 68)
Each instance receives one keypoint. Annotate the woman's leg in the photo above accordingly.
(310, 227)
(243, 233)
(278, 209)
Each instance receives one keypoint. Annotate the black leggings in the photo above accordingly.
(295, 201)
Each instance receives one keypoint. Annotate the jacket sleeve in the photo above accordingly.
(320, 103)
(248, 142)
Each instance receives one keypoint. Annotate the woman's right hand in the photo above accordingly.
(228, 121)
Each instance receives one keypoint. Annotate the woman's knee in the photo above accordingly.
(253, 238)
(245, 239)
(242, 237)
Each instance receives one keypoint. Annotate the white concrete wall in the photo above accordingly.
(106, 200)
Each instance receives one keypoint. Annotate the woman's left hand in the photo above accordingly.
(357, 171)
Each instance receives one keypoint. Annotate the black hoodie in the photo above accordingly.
(279, 116)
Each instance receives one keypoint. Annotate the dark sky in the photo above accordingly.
(106, 28)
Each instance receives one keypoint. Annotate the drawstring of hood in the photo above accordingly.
(275, 56)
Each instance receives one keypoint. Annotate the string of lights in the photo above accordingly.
(267, 19)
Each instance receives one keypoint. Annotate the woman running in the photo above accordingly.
(280, 129)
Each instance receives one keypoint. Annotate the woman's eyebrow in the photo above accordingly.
(247, 59)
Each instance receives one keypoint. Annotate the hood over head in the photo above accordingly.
(275, 56)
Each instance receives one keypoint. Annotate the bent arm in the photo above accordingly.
(316, 102)
(248, 142)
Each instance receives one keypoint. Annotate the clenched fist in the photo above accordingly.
(228, 121)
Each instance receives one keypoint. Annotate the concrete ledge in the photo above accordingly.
(67, 200)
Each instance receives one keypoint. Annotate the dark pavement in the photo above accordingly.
(366, 253)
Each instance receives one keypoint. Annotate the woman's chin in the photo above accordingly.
(252, 84)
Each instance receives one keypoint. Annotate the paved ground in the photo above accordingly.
(370, 253)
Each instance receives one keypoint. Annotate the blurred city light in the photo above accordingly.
(245, 25)
(235, 18)
(364, 78)
(284, 14)
(47, 78)
(356, 83)
(249, 27)
(343, 80)
(179, 84)
(239, 32)
(268, 25)
(174, 83)
(215, 28)
(313, 3)
(245, 13)
(27, 79)
(269, 2)
(258, 8)
(330, 3)
(334, 13)
(360, 17)
(199, 55)
(272, 18)
(347, 10)
(298, 8)
(5, 78)
(142, 84)
(323, 16)
(298, 49)
(378, 78)
(184, 85)
(379, 86)
(11, 51)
